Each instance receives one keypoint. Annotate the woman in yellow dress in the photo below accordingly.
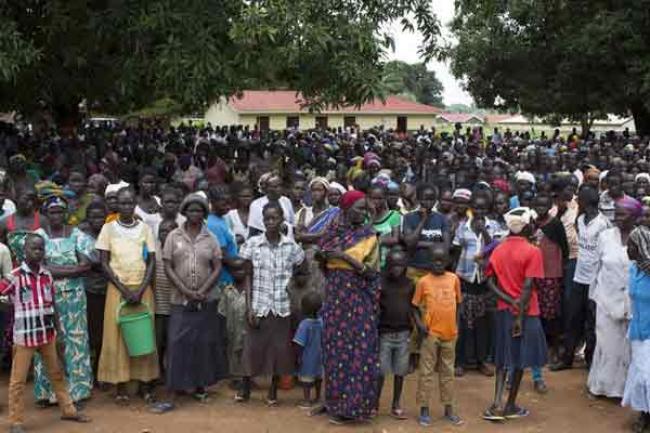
(127, 251)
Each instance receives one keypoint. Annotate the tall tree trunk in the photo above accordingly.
(641, 116)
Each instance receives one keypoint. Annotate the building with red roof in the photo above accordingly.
(280, 109)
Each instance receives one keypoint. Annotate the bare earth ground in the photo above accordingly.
(565, 408)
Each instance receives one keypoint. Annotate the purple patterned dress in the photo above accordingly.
(350, 316)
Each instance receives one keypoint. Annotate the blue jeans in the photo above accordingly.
(394, 353)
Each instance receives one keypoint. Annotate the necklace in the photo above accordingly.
(129, 225)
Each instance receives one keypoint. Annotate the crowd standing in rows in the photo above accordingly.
(332, 257)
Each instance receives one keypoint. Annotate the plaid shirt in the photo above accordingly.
(471, 245)
(32, 296)
(272, 270)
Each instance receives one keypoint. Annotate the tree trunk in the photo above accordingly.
(641, 116)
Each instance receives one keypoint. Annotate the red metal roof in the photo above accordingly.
(288, 101)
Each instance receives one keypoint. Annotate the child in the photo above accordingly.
(308, 338)
(162, 294)
(437, 293)
(395, 327)
(31, 291)
(233, 307)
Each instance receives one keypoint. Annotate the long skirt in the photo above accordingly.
(350, 343)
(196, 350)
(473, 345)
(71, 309)
(611, 358)
(528, 350)
(267, 348)
(637, 385)
(115, 365)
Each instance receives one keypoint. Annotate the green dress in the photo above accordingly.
(385, 227)
(70, 305)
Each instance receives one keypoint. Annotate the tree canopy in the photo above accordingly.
(121, 55)
(572, 58)
(414, 82)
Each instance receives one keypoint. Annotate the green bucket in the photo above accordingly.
(137, 331)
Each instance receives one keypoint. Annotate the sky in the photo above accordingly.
(406, 49)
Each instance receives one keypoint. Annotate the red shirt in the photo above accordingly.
(514, 260)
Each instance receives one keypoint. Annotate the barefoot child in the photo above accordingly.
(395, 324)
(437, 293)
(520, 341)
(233, 307)
(308, 338)
(31, 290)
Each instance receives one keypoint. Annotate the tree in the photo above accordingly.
(121, 55)
(572, 58)
(414, 82)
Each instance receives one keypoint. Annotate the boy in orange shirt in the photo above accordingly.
(438, 295)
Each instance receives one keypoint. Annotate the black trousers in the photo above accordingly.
(581, 324)
(473, 345)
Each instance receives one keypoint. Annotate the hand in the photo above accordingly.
(422, 330)
(425, 212)
(253, 321)
(132, 298)
(517, 327)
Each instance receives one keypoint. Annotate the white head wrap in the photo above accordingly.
(525, 175)
(338, 187)
(645, 176)
(115, 187)
(518, 218)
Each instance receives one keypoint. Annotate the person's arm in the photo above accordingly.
(178, 283)
(212, 278)
(417, 318)
(391, 238)
(148, 275)
(494, 286)
(105, 257)
(67, 271)
(412, 237)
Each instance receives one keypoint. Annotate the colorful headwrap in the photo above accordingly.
(502, 185)
(320, 180)
(633, 205)
(640, 237)
(350, 198)
(55, 201)
(518, 218)
(462, 193)
(382, 180)
(371, 158)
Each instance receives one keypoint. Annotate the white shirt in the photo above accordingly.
(587, 263)
(609, 289)
(255, 218)
(237, 226)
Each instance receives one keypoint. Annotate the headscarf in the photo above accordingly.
(115, 187)
(463, 193)
(518, 218)
(525, 176)
(633, 205)
(640, 237)
(502, 185)
(350, 198)
(320, 180)
(645, 176)
(382, 180)
(194, 198)
(371, 158)
(337, 186)
(55, 201)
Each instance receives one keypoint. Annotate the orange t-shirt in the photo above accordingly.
(439, 296)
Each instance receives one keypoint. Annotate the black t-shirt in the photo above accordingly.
(395, 304)
(433, 231)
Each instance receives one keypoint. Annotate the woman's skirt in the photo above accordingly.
(115, 365)
(196, 350)
(267, 348)
(611, 358)
(637, 385)
(528, 350)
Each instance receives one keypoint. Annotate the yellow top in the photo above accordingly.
(366, 252)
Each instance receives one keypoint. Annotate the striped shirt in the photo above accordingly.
(32, 296)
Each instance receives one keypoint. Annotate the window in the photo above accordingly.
(402, 124)
(293, 121)
(263, 123)
(349, 121)
(321, 122)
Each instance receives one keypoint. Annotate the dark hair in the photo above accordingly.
(97, 203)
(560, 184)
(485, 194)
(171, 189)
(395, 251)
(125, 190)
(218, 192)
(273, 205)
(311, 303)
(589, 194)
(237, 187)
(77, 169)
(378, 187)
(33, 235)
(148, 171)
(419, 191)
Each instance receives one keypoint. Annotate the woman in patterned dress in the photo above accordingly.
(67, 252)
(350, 313)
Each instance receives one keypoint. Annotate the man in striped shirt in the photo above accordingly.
(31, 290)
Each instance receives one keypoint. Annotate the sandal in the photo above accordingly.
(239, 398)
(271, 402)
(80, 418)
(201, 397)
(122, 400)
(491, 415)
(520, 412)
(455, 420)
(162, 407)
(149, 398)
(424, 420)
(398, 413)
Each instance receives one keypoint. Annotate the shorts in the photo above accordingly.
(307, 380)
(394, 353)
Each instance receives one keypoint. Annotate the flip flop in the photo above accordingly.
(80, 418)
(271, 402)
(241, 399)
(398, 414)
(455, 420)
(424, 421)
(520, 412)
(201, 397)
(490, 415)
(162, 407)
(122, 400)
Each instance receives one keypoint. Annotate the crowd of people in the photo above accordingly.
(332, 258)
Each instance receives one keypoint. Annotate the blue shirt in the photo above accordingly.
(219, 228)
(640, 295)
(309, 337)
(434, 229)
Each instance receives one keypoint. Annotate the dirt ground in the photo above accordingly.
(565, 408)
